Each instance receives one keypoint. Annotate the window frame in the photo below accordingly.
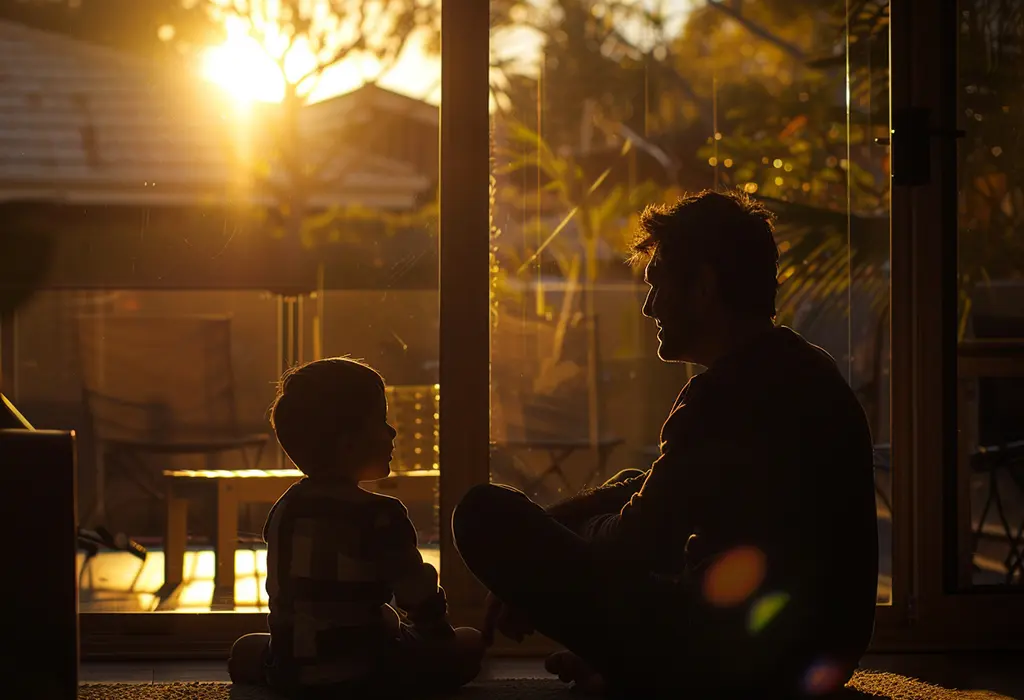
(933, 614)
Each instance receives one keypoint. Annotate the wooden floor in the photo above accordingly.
(1002, 674)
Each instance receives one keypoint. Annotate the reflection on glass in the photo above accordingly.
(227, 196)
(991, 287)
(602, 108)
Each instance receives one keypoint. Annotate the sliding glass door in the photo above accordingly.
(504, 317)
(600, 108)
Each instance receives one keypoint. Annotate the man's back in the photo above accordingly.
(762, 500)
(792, 491)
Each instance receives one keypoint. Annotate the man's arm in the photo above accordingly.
(577, 511)
(653, 526)
(603, 500)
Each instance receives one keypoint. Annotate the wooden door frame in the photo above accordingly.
(924, 75)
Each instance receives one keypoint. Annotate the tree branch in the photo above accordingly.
(756, 29)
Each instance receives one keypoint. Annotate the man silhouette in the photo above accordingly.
(745, 560)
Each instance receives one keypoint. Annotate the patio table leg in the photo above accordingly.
(227, 540)
(175, 540)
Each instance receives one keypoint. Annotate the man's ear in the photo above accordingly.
(706, 283)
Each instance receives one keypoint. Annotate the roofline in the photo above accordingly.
(86, 47)
(421, 109)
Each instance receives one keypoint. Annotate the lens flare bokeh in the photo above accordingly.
(823, 677)
(734, 576)
(764, 610)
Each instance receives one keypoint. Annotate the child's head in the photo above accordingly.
(330, 417)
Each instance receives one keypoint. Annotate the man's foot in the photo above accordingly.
(572, 669)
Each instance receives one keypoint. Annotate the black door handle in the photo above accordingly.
(911, 136)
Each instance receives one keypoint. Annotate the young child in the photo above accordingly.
(337, 555)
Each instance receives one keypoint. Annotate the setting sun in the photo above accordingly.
(251, 74)
(243, 68)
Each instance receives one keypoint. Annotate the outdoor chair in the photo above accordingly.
(160, 393)
(998, 451)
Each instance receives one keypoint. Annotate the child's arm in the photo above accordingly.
(413, 581)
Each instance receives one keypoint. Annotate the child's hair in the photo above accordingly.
(316, 403)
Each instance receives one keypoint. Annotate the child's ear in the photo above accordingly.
(349, 444)
(345, 443)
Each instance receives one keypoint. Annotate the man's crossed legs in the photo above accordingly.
(620, 624)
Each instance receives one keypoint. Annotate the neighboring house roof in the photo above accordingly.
(85, 124)
(373, 97)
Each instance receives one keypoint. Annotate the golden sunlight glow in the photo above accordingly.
(242, 67)
(250, 73)
(119, 578)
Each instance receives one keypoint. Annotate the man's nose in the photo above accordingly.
(648, 309)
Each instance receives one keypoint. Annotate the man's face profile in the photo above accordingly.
(665, 304)
(683, 301)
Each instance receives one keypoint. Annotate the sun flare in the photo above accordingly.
(242, 68)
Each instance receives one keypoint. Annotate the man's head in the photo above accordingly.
(330, 417)
(712, 266)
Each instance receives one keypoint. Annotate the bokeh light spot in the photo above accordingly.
(823, 677)
(734, 576)
(765, 609)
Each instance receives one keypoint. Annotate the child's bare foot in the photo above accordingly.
(572, 669)
(247, 663)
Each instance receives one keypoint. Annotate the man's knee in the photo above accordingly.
(474, 507)
(478, 511)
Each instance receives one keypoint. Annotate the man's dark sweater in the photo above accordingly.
(770, 450)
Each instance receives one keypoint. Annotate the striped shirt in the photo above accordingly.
(336, 556)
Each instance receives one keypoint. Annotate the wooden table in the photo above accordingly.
(235, 487)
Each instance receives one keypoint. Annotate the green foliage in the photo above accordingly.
(596, 209)
(751, 77)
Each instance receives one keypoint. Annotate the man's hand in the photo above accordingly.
(504, 619)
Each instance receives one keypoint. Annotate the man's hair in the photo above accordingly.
(729, 231)
(316, 403)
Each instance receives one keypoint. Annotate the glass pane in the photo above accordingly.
(601, 108)
(991, 286)
(219, 211)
